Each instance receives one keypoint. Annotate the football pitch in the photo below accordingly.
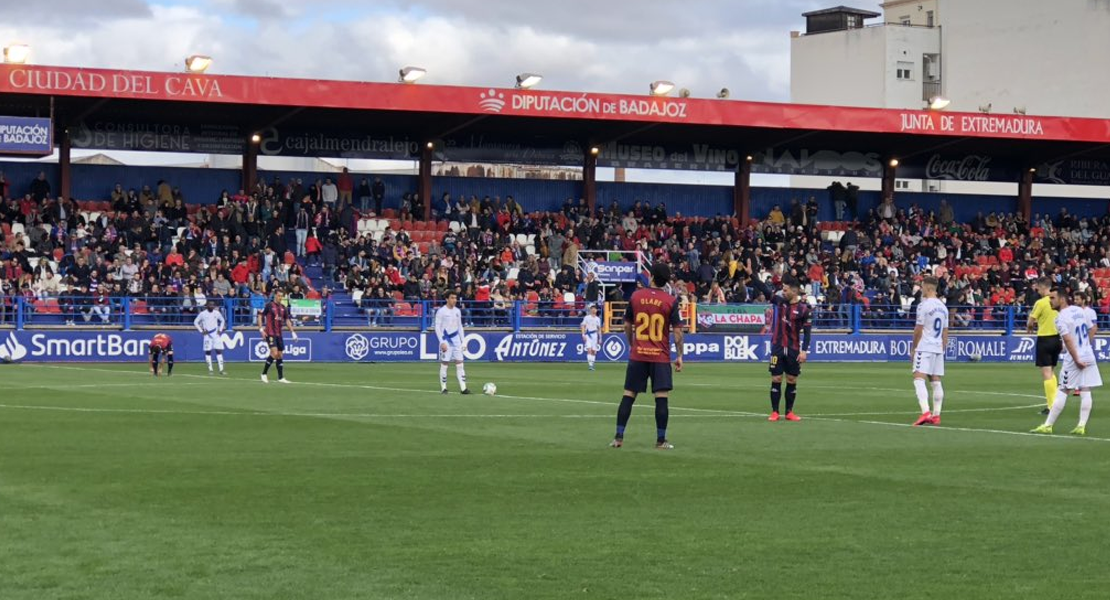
(362, 481)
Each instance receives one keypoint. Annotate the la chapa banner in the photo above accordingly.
(268, 91)
(735, 318)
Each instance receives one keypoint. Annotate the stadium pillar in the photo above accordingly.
(742, 193)
(1025, 195)
(250, 165)
(65, 176)
(589, 180)
(424, 180)
(889, 173)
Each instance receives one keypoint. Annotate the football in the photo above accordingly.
(489, 389)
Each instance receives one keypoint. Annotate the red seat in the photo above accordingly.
(389, 213)
(290, 258)
(442, 226)
(48, 306)
(138, 307)
(59, 254)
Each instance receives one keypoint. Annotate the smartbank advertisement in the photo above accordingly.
(70, 346)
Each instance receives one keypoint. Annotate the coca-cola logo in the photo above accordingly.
(969, 168)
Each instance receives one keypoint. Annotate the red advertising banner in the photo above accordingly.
(103, 83)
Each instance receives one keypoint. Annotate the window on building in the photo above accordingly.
(853, 21)
(929, 18)
(901, 184)
(905, 71)
(905, 19)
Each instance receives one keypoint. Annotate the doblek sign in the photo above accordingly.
(26, 135)
(616, 272)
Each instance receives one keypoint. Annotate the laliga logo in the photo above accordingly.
(492, 101)
(614, 348)
(356, 347)
(11, 350)
(261, 350)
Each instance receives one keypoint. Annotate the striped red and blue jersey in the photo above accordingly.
(792, 324)
(274, 317)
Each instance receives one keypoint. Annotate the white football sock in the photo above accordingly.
(1057, 407)
(591, 358)
(1085, 404)
(442, 377)
(938, 398)
(220, 361)
(922, 394)
(208, 359)
(460, 372)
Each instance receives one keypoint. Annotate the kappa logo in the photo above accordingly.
(491, 101)
(356, 347)
(11, 350)
(614, 348)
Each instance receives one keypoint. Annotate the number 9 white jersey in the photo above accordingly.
(932, 315)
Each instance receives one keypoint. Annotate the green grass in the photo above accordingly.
(362, 482)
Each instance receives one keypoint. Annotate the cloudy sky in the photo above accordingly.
(606, 46)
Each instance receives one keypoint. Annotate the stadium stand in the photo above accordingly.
(147, 257)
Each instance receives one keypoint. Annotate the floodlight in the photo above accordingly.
(412, 74)
(527, 81)
(198, 63)
(17, 53)
(939, 103)
(661, 88)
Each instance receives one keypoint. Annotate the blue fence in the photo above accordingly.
(128, 313)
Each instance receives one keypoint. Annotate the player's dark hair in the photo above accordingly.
(790, 281)
(660, 274)
(1061, 290)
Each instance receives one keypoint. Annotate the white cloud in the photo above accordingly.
(619, 47)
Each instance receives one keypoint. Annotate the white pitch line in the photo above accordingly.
(914, 413)
(610, 404)
(315, 414)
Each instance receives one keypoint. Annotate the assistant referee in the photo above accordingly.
(1049, 346)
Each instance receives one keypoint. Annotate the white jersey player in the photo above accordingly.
(930, 339)
(449, 332)
(1079, 370)
(210, 323)
(591, 335)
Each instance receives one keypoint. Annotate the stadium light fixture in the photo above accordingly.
(430, 145)
(527, 81)
(986, 108)
(198, 63)
(724, 94)
(1019, 110)
(661, 88)
(256, 138)
(594, 150)
(17, 54)
(412, 74)
(939, 103)
(893, 162)
(749, 158)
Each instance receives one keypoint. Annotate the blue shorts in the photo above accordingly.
(638, 372)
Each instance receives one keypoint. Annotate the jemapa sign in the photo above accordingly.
(616, 272)
(26, 136)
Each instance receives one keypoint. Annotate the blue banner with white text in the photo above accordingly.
(26, 135)
(372, 346)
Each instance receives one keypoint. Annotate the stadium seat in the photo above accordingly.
(455, 226)
(17, 229)
(442, 226)
(48, 306)
(139, 307)
(290, 258)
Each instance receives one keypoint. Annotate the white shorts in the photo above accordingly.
(593, 343)
(213, 341)
(929, 363)
(454, 353)
(1074, 378)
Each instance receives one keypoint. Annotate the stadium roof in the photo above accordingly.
(433, 112)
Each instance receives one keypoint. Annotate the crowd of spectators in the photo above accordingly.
(153, 246)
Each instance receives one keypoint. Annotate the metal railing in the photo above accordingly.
(128, 313)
